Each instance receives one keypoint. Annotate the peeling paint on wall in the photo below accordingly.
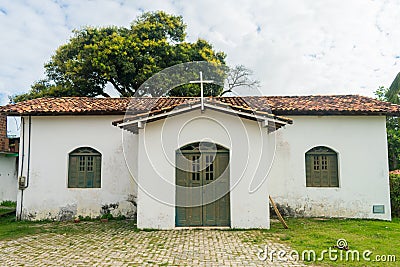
(125, 208)
(67, 213)
(305, 207)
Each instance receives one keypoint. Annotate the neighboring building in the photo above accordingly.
(184, 166)
(8, 163)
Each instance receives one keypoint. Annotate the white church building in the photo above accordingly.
(179, 162)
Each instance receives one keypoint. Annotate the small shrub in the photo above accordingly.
(395, 194)
(85, 219)
(108, 216)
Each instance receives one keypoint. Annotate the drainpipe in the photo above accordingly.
(22, 183)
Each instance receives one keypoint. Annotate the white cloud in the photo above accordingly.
(294, 47)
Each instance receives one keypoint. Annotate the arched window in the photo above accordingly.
(321, 167)
(84, 168)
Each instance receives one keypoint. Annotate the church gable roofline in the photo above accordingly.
(267, 119)
(319, 105)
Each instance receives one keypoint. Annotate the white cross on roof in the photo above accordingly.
(201, 82)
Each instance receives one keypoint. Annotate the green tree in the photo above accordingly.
(392, 94)
(392, 130)
(123, 57)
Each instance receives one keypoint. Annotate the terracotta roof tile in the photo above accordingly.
(324, 105)
(278, 105)
(70, 105)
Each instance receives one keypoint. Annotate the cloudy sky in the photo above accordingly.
(294, 47)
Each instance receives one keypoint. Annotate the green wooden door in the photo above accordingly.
(216, 205)
(189, 212)
(202, 194)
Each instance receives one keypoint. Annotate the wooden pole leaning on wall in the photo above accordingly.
(278, 213)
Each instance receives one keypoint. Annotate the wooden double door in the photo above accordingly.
(202, 187)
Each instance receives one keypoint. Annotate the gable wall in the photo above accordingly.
(52, 139)
(363, 171)
(247, 143)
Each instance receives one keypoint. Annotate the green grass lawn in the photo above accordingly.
(11, 229)
(7, 207)
(5, 211)
(379, 237)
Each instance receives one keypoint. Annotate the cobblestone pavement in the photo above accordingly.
(122, 246)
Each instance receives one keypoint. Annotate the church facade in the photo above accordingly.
(190, 162)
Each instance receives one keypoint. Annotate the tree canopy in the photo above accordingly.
(123, 57)
(392, 128)
(392, 94)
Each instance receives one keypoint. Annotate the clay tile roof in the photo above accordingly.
(278, 105)
(325, 105)
(69, 105)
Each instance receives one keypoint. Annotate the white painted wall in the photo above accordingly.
(359, 141)
(52, 139)
(363, 167)
(158, 142)
(8, 178)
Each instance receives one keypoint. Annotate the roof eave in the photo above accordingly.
(334, 113)
(84, 113)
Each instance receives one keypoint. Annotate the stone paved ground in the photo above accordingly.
(123, 246)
